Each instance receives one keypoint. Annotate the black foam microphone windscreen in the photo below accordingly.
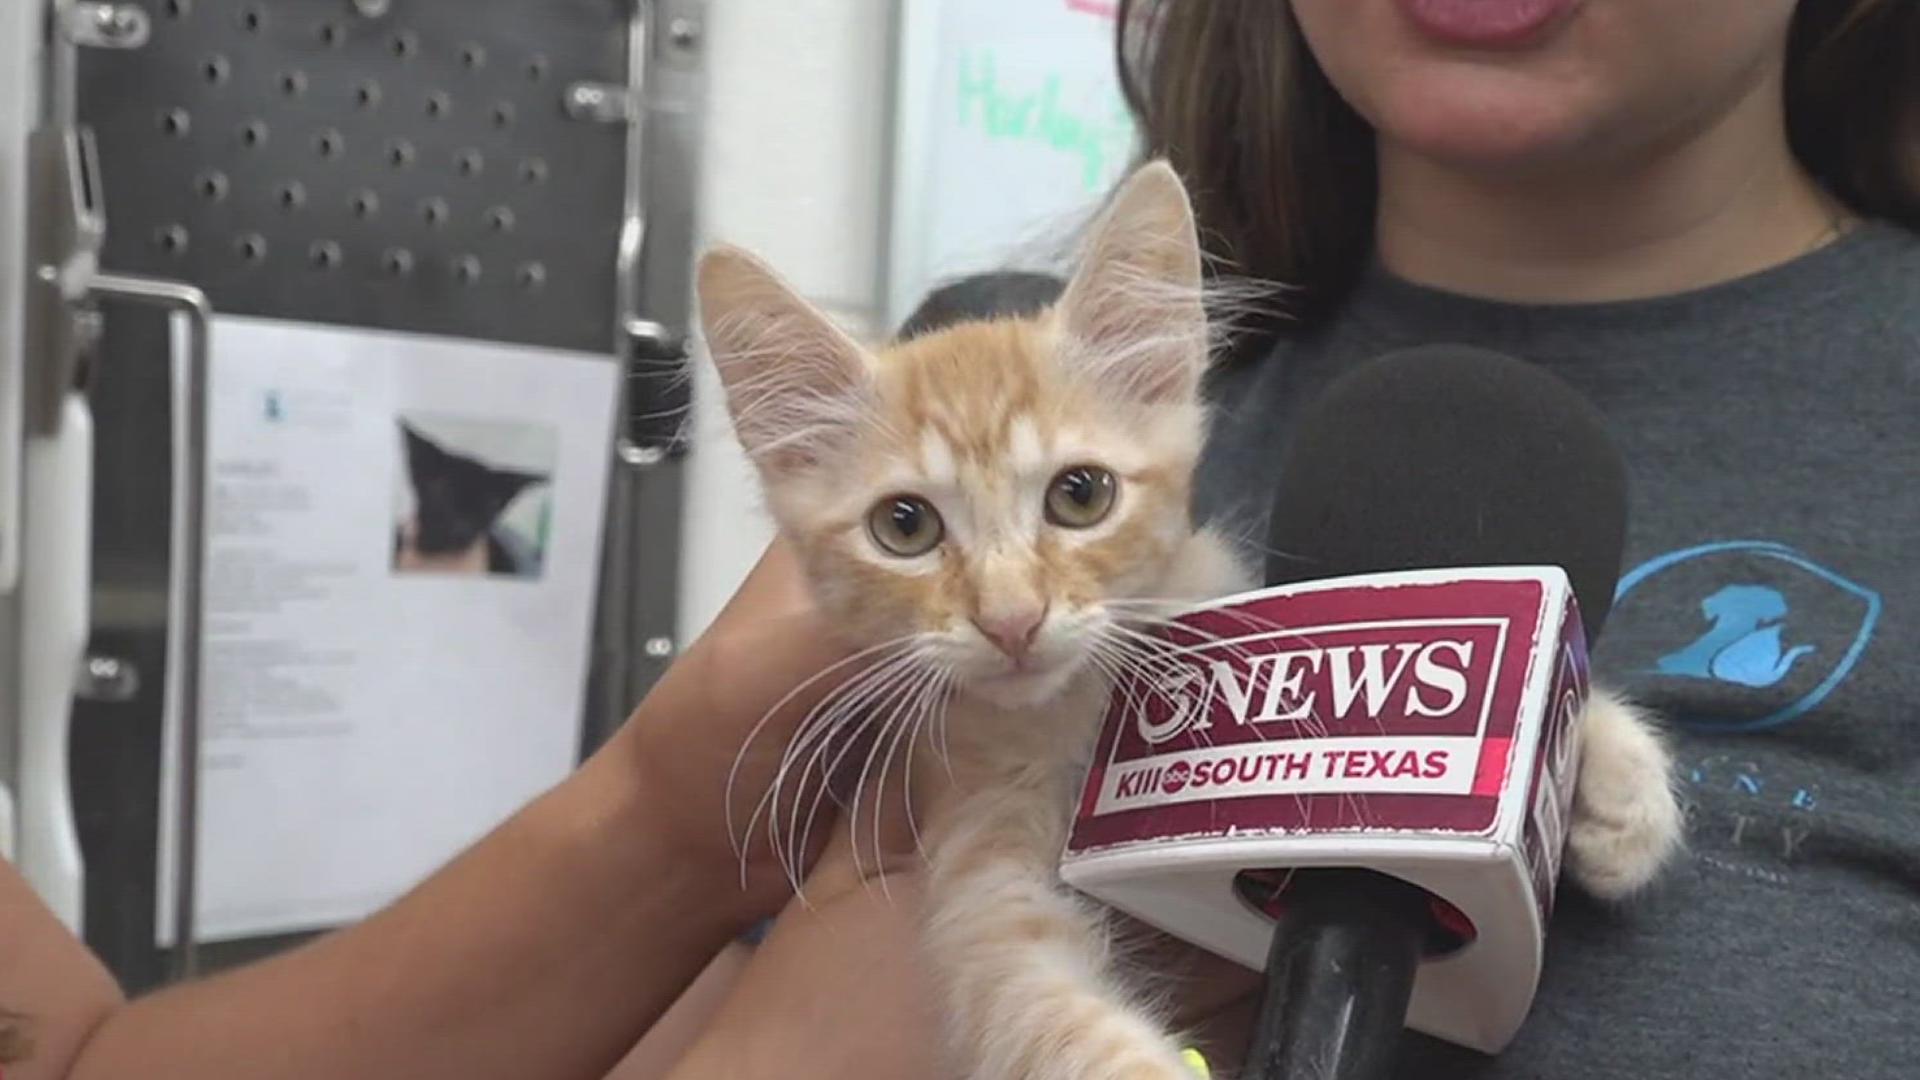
(1450, 456)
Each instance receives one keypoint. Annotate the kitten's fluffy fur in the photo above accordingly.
(979, 420)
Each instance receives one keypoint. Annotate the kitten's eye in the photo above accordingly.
(1081, 497)
(905, 525)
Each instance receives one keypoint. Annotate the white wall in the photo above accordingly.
(798, 93)
(19, 105)
(19, 66)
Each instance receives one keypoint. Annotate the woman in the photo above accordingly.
(1703, 216)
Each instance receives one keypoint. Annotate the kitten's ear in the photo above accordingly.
(419, 447)
(1133, 314)
(797, 385)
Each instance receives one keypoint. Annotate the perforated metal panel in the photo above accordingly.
(417, 170)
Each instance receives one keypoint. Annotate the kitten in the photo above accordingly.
(457, 500)
(993, 509)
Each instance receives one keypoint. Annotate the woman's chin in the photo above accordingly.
(1485, 119)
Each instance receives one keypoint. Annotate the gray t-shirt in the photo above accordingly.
(1770, 611)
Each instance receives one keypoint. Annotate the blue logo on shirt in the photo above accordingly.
(1743, 644)
(1780, 632)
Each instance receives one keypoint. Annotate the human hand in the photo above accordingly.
(705, 744)
(841, 986)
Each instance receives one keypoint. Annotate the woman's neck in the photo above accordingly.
(1715, 203)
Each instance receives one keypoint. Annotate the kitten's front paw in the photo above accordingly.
(1132, 1050)
(1161, 1068)
(1626, 818)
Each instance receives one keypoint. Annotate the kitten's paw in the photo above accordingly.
(1171, 1066)
(1626, 818)
(1132, 1049)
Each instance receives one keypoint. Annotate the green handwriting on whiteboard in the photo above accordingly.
(1036, 114)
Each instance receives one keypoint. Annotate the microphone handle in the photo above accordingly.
(1340, 972)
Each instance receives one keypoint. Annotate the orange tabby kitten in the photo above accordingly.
(994, 511)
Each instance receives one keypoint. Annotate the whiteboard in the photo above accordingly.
(1009, 128)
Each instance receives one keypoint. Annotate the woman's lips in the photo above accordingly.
(1484, 23)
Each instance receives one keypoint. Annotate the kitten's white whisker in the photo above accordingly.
(740, 838)
(1152, 657)
(1167, 653)
(877, 690)
(820, 726)
(1154, 649)
(832, 716)
(1133, 670)
(1135, 674)
(801, 820)
(932, 699)
(1139, 629)
(1139, 612)
(882, 712)
(1115, 666)
(818, 729)
(906, 794)
(1115, 677)
(940, 727)
(902, 720)
(883, 708)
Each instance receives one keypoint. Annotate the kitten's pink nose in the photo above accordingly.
(1012, 632)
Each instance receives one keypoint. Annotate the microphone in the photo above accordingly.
(1358, 777)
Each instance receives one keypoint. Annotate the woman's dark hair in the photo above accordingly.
(1282, 170)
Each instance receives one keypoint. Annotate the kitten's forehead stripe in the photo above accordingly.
(937, 458)
(972, 383)
(1025, 453)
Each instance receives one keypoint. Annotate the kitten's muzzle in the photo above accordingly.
(1012, 632)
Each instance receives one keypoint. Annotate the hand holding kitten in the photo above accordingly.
(747, 681)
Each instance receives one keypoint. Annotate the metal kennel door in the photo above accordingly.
(485, 169)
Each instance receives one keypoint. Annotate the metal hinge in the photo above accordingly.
(67, 226)
(64, 237)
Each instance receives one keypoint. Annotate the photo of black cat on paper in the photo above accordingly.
(475, 497)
